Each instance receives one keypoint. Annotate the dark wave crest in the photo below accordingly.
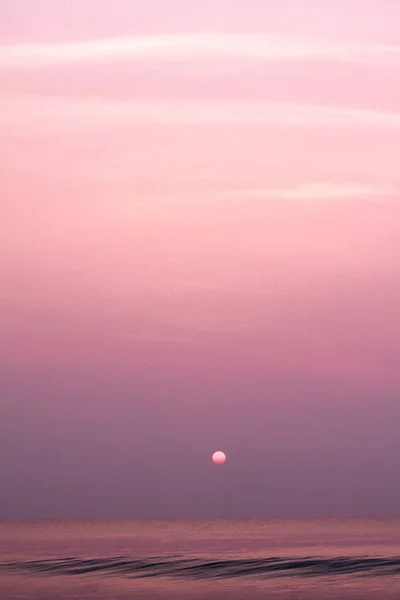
(208, 569)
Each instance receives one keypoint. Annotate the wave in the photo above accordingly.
(192, 568)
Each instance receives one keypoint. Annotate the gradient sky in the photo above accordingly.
(199, 250)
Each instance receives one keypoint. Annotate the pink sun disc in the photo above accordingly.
(219, 457)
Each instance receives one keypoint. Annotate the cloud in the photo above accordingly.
(318, 191)
(38, 115)
(159, 338)
(193, 46)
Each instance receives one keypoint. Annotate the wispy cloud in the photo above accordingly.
(318, 191)
(159, 338)
(37, 115)
(192, 46)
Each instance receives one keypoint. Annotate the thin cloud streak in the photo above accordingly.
(43, 115)
(160, 338)
(193, 46)
(319, 191)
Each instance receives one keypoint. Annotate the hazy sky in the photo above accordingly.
(199, 250)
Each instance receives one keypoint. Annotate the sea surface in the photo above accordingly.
(217, 559)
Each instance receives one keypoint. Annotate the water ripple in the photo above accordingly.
(208, 569)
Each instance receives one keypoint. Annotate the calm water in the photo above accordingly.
(213, 559)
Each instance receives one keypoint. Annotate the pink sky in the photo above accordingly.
(197, 194)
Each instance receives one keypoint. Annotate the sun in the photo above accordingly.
(219, 457)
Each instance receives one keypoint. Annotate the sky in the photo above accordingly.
(199, 251)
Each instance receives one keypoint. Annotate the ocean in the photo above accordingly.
(316, 559)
